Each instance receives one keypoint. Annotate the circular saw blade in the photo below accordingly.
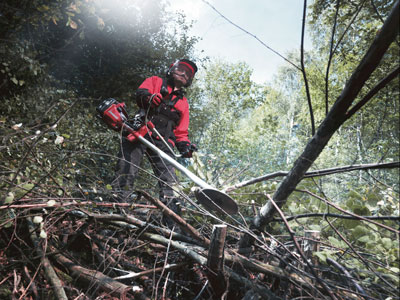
(214, 200)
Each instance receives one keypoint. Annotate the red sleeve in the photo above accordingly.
(181, 131)
(148, 87)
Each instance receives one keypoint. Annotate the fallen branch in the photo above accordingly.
(203, 261)
(291, 232)
(347, 275)
(185, 226)
(313, 215)
(105, 283)
(32, 285)
(317, 173)
(135, 223)
(48, 268)
(133, 275)
(199, 254)
(73, 203)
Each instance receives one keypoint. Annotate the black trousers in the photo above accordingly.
(129, 159)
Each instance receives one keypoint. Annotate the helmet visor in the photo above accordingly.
(183, 69)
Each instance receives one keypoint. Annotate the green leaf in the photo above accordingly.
(109, 187)
(350, 223)
(359, 231)
(43, 8)
(321, 256)
(335, 242)
(10, 198)
(387, 243)
(392, 277)
(315, 227)
(364, 239)
(25, 188)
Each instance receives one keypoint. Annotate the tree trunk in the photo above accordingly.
(336, 116)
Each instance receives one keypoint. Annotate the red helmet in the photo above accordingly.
(184, 67)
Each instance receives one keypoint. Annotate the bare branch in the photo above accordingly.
(347, 274)
(381, 84)
(181, 222)
(73, 203)
(325, 287)
(316, 173)
(303, 69)
(358, 254)
(336, 116)
(48, 268)
(252, 35)
(330, 59)
(351, 213)
(312, 215)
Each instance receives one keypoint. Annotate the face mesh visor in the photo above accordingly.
(183, 69)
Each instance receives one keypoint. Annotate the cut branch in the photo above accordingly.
(104, 282)
(48, 268)
(181, 222)
(203, 261)
(215, 260)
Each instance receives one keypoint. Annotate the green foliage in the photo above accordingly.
(59, 58)
(227, 99)
(67, 50)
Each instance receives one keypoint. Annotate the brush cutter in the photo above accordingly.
(115, 116)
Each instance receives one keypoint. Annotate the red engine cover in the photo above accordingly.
(115, 116)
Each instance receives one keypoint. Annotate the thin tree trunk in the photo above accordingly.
(336, 116)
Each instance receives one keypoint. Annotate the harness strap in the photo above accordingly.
(165, 110)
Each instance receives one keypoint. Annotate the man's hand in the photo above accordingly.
(155, 99)
(186, 149)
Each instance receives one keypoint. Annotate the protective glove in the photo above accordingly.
(186, 149)
(155, 99)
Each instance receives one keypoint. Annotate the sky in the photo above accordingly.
(277, 23)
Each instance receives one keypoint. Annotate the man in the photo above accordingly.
(162, 101)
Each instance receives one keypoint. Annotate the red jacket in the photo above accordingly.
(153, 85)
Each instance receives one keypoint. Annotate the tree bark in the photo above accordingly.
(335, 118)
(48, 268)
(215, 261)
(104, 282)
